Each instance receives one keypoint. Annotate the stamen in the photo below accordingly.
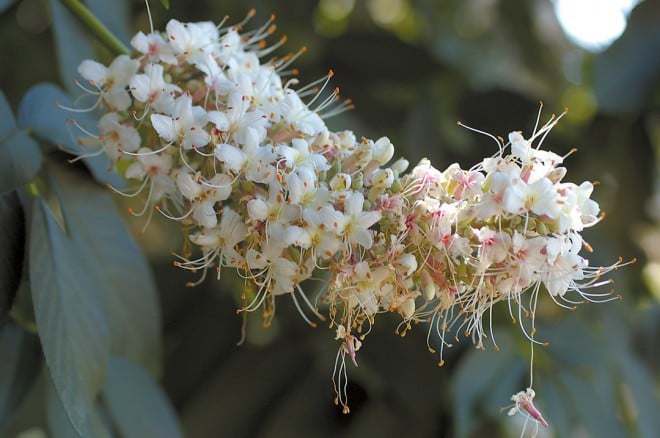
(500, 143)
(287, 60)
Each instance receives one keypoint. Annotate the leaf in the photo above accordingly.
(129, 386)
(115, 15)
(165, 3)
(20, 158)
(69, 316)
(19, 367)
(625, 74)
(7, 121)
(12, 236)
(38, 112)
(60, 424)
(637, 397)
(477, 375)
(72, 44)
(116, 265)
(590, 377)
(5, 4)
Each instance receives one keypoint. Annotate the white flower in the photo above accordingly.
(222, 239)
(215, 78)
(184, 125)
(321, 224)
(539, 197)
(494, 246)
(154, 47)
(295, 115)
(283, 273)
(112, 80)
(238, 119)
(117, 136)
(150, 87)
(156, 167)
(192, 40)
(302, 185)
(204, 195)
(356, 222)
(525, 400)
(564, 266)
(523, 150)
(491, 204)
(298, 155)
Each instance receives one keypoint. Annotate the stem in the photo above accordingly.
(96, 27)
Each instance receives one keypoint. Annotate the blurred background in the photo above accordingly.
(413, 68)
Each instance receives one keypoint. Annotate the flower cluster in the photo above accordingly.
(219, 141)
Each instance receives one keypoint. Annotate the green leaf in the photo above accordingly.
(116, 265)
(7, 121)
(590, 378)
(20, 158)
(72, 44)
(165, 3)
(38, 112)
(12, 236)
(19, 367)
(476, 384)
(637, 397)
(69, 316)
(129, 386)
(60, 424)
(5, 4)
(115, 15)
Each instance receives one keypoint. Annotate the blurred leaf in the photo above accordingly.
(115, 15)
(20, 158)
(7, 121)
(165, 3)
(69, 316)
(12, 236)
(116, 266)
(639, 399)
(625, 73)
(72, 44)
(20, 364)
(38, 112)
(594, 380)
(476, 376)
(5, 4)
(60, 424)
(128, 385)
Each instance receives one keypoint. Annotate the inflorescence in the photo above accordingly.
(218, 139)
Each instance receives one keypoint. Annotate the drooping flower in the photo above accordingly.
(260, 184)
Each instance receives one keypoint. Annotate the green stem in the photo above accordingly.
(96, 27)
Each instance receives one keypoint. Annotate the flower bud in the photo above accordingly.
(382, 178)
(340, 182)
(383, 150)
(400, 166)
(407, 265)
